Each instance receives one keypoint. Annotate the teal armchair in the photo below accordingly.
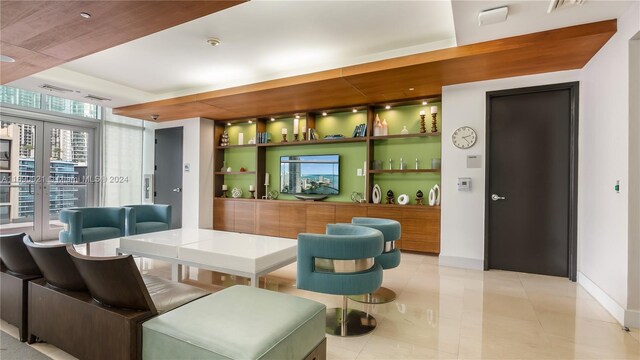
(86, 225)
(342, 262)
(142, 219)
(389, 259)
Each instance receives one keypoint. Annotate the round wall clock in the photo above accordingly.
(464, 137)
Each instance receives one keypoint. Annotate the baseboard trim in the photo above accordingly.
(461, 262)
(617, 311)
(632, 318)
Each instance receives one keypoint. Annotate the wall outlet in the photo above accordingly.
(359, 172)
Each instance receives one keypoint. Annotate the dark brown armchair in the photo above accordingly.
(92, 307)
(17, 269)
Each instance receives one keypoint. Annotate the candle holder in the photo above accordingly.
(266, 192)
(434, 124)
(224, 193)
(423, 128)
(253, 194)
(304, 136)
(296, 137)
(284, 137)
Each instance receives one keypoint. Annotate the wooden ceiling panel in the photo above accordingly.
(391, 80)
(56, 29)
(32, 62)
(293, 98)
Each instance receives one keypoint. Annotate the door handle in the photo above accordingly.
(496, 197)
(177, 190)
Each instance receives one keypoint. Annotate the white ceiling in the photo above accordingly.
(527, 16)
(263, 40)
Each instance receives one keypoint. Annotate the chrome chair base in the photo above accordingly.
(381, 296)
(358, 322)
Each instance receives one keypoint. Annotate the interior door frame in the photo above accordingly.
(574, 88)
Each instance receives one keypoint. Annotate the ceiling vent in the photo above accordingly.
(493, 16)
(560, 4)
(96, 98)
(55, 88)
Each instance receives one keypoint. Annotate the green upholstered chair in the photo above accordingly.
(86, 225)
(142, 219)
(390, 258)
(342, 262)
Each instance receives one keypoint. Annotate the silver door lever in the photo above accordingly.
(496, 197)
(177, 189)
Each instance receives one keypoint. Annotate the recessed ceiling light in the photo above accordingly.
(388, 107)
(213, 41)
(85, 15)
(273, 119)
(411, 89)
(250, 121)
(324, 113)
(424, 102)
(228, 124)
(297, 116)
(7, 59)
(355, 110)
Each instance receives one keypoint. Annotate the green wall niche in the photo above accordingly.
(248, 130)
(352, 157)
(409, 115)
(340, 123)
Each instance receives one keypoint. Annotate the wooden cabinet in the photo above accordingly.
(293, 219)
(223, 214)
(318, 216)
(344, 213)
(268, 218)
(420, 224)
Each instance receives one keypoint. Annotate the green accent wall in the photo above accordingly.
(409, 115)
(249, 131)
(352, 157)
(237, 158)
(340, 123)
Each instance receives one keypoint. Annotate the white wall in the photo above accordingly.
(462, 234)
(196, 203)
(603, 217)
(633, 297)
(205, 219)
(608, 251)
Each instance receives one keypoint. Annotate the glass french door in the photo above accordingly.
(44, 168)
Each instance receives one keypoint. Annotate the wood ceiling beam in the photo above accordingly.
(43, 34)
(391, 80)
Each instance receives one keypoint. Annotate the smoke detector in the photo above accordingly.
(213, 41)
(557, 4)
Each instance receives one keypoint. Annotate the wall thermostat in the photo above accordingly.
(464, 184)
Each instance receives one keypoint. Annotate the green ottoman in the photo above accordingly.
(239, 322)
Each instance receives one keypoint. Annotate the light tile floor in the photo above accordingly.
(450, 313)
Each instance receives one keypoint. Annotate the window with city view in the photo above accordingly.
(34, 100)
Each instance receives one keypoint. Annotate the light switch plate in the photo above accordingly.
(464, 184)
(187, 167)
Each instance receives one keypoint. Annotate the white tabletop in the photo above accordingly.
(242, 252)
(246, 253)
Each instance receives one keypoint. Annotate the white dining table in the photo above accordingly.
(226, 252)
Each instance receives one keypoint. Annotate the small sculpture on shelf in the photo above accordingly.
(284, 134)
(423, 128)
(224, 139)
(434, 115)
(390, 198)
(419, 198)
(224, 191)
(243, 169)
(404, 130)
(252, 191)
(377, 127)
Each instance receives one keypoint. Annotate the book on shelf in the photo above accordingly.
(360, 130)
(263, 137)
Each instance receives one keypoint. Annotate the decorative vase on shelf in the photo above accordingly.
(224, 139)
(436, 190)
(404, 131)
(377, 128)
(385, 127)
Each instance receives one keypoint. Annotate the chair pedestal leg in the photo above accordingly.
(381, 296)
(349, 322)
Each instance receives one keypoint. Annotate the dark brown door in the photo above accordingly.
(531, 177)
(168, 172)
